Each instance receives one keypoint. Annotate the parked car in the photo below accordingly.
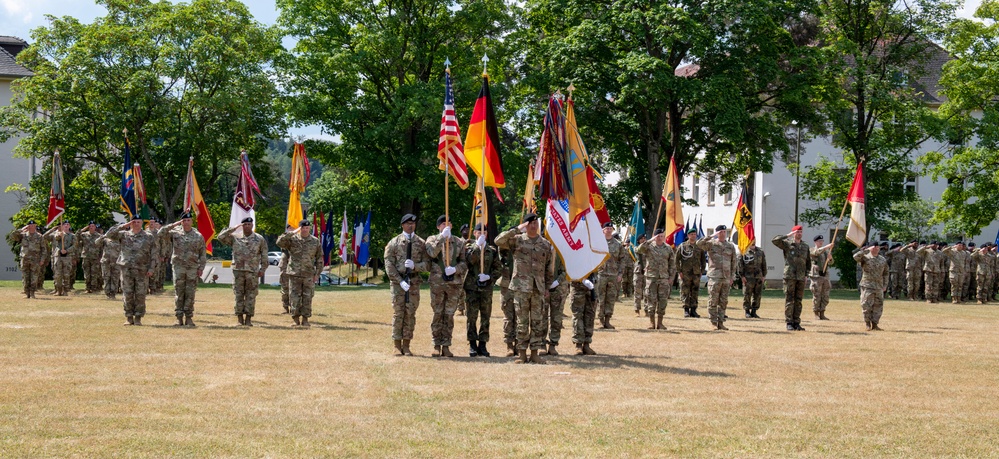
(273, 258)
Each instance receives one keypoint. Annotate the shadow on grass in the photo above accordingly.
(631, 361)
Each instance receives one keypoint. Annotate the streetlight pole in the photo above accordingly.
(797, 170)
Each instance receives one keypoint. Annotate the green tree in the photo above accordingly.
(711, 83)
(186, 80)
(972, 108)
(910, 220)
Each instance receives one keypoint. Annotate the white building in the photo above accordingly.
(12, 170)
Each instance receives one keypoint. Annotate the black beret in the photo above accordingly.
(248, 220)
(530, 217)
(607, 225)
(640, 237)
(959, 243)
(971, 244)
(186, 215)
(478, 227)
(896, 246)
(408, 218)
(441, 219)
(818, 238)
(658, 232)
(31, 222)
(136, 217)
(463, 227)
(91, 223)
(720, 228)
(304, 222)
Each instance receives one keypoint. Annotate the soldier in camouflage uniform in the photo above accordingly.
(283, 268)
(506, 304)
(970, 293)
(659, 260)
(896, 271)
(479, 290)
(753, 271)
(913, 269)
(638, 276)
(820, 257)
(627, 268)
(583, 307)
(690, 263)
(74, 261)
(933, 270)
(137, 261)
(32, 255)
(610, 276)
(959, 261)
(63, 243)
(530, 280)
(189, 259)
(90, 254)
(405, 258)
(796, 266)
(46, 260)
(723, 260)
(463, 237)
(872, 284)
(554, 311)
(983, 273)
(447, 274)
(249, 262)
(162, 251)
(110, 271)
(305, 262)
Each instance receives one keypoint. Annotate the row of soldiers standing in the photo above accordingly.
(931, 271)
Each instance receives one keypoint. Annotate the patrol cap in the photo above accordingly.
(797, 228)
(185, 215)
(658, 232)
(721, 228)
(530, 217)
(441, 219)
(31, 222)
(304, 222)
(818, 238)
(408, 218)
(478, 227)
(607, 225)
(247, 220)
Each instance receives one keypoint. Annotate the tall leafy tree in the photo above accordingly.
(186, 79)
(710, 83)
(972, 88)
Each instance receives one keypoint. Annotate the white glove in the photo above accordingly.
(554, 284)
(588, 284)
(481, 241)
(483, 277)
(446, 232)
(449, 271)
(404, 285)
(409, 264)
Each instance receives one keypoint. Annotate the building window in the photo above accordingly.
(910, 184)
(696, 189)
(727, 198)
(711, 190)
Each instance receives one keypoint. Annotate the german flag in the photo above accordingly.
(482, 145)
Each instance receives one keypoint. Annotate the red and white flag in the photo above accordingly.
(344, 235)
(856, 232)
(449, 149)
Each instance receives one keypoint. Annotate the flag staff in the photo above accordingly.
(659, 212)
(836, 231)
(485, 203)
(447, 167)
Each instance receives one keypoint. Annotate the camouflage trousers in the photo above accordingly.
(479, 306)
(627, 285)
(404, 312)
(984, 282)
(912, 278)
(752, 290)
(896, 284)
(607, 290)
(134, 285)
(244, 288)
(934, 283)
(509, 315)
(92, 274)
(529, 306)
(551, 316)
(639, 281)
(957, 281)
(583, 307)
(40, 274)
(461, 300)
(794, 291)
(872, 301)
(656, 295)
(820, 293)
(156, 282)
(300, 291)
(29, 273)
(689, 286)
(971, 292)
(72, 274)
(62, 274)
(112, 278)
(444, 300)
(285, 298)
(185, 284)
(718, 289)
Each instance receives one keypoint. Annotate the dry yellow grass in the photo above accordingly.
(75, 383)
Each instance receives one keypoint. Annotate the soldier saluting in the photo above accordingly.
(188, 264)
(796, 264)
(405, 257)
(32, 256)
(305, 261)
(249, 261)
(138, 261)
(532, 275)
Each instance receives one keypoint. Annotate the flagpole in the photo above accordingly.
(659, 212)
(485, 204)
(836, 231)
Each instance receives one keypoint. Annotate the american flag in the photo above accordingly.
(449, 147)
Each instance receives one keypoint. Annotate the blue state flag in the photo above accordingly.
(700, 228)
(362, 247)
(329, 242)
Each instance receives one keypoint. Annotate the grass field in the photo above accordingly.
(75, 383)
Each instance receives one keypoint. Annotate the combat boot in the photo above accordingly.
(822, 315)
(749, 315)
(512, 350)
(482, 349)
(180, 321)
(721, 325)
(694, 314)
(437, 351)
(686, 313)
(138, 320)
(405, 348)
(868, 325)
(535, 358)
(129, 320)
(587, 350)
(305, 322)
(551, 350)
(603, 321)
(607, 323)
(659, 323)
(652, 322)
(874, 327)
(241, 320)
(473, 351)
(247, 321)
(579, 349)
(190, 322)
(446, 352)
(398, 346)
(638, 313)
(297, 319)
(521, 356)
(754, 315)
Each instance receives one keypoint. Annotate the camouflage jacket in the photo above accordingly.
(249, 253)
(32, 246)
(722, 257)
(531, 261)
(627, 263)
(690, 259)
(395, 258)
(61, 241)
(913, 259)
(818, 260)
(88, 244)
(639, 267)
(506, 259)
(753, 265)
(981, 258)
(136, 249)
(658, 260)
(439, 259)
(875, 269)
(960, 260)
(188, 248)
(613, 265)
(796, 257)
(933, 260)
(110, 249)
(494, 268)
(305, 254)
